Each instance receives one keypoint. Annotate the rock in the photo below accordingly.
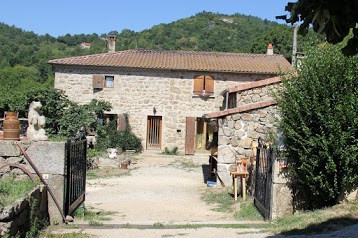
(69, 218)
(238, 125)
(9, 148)
(230, 124)
(256, 98)
(245, 143)
(14, 160)
(246, 117)
(234, 142)
(226, 154)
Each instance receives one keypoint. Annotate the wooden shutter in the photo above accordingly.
(198, 84)
(98, 81)
(190, 133)
(209, 84)
(121, 122)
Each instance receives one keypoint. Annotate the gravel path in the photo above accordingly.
(159, 189)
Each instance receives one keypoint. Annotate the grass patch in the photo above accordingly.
(174, 151)
(224, 202)
(247, 211)
(11, 189)
(67, 235)
(319, 221)
(93, 218)
(107, 173)
(185, 164)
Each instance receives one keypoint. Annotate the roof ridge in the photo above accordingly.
(182, 60)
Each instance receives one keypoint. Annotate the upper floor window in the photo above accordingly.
(102, 81)
(109, 81)
(203, 85)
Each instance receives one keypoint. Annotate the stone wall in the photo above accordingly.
(239, 129)
(238, 135)
(49, 158)
(281, 195)
(16, 219)
(137, 93)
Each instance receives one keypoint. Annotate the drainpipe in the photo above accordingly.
(227, 100)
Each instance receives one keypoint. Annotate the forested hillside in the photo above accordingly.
(24, 55)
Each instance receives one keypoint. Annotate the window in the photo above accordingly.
(101, 81)
(109, 81)
(232, 100)
(203, 85)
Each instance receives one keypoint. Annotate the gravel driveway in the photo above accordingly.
(158, 189)
(164, 190)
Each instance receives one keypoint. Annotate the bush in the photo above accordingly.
(319, 123)
(125, 140)
(174, 151)
(109, 137)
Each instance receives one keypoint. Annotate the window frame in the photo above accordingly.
(106, 82)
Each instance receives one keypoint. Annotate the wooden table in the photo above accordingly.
(243, 175)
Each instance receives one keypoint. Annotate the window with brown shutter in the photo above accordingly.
(102, 81)
(203, 85)
(198, 84)
(97, 81)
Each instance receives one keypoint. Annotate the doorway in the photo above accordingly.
(154, 133)
(204, 135)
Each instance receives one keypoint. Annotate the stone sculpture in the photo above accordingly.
(35, 130)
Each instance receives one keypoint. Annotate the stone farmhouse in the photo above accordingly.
(166, 93)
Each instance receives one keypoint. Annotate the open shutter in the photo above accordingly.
(98, 81)
(209, 84)
(121, 122)
(198, 84)
(190, 136)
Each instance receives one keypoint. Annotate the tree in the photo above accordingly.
(333, 18)
(319, 109)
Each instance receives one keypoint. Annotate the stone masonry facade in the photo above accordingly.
(239, 128)
(136, 93)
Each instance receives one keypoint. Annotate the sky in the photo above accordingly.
(59, 17)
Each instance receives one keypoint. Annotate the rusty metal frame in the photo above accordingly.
(26, 171)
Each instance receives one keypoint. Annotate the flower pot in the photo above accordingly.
(124, 165)
(11, 126)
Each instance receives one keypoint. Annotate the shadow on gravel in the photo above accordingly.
(328, 226)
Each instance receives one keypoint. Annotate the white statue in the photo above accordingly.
(35, 130)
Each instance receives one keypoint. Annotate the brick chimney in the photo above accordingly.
(111, 43)
(269, 49)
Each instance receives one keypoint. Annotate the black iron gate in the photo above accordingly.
(76, 174)
(263, 179)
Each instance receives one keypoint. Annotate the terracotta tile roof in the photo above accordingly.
(183, 60)
(244, 108)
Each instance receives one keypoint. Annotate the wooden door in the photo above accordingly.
(190, 132)
(154, 132)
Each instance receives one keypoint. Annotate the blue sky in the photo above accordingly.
(102, 16)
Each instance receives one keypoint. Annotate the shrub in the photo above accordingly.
(125, 140)
(109, 137)
(319, 123)
(174, 151)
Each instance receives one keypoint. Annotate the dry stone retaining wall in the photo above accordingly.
(15, 219)
(48, 157)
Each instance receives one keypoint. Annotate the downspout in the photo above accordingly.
(227, 100)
